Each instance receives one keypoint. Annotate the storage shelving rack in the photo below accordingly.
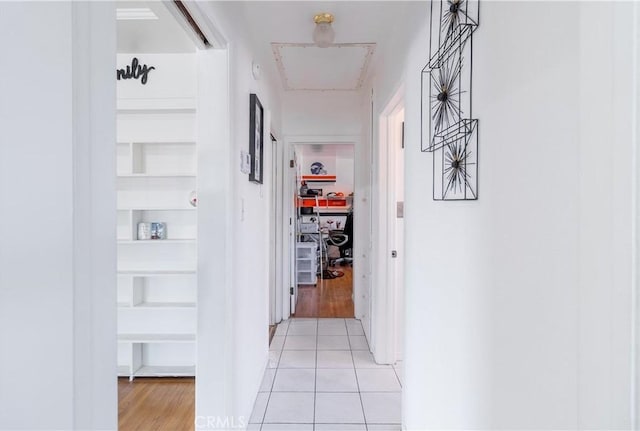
(157, 279)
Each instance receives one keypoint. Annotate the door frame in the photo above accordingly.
(275, 237)
(289, 214)
(384, 301)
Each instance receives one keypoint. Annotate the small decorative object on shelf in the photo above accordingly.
(317, 168)
(158, 230)
(448, 127)
(144, 231)
(151, 230)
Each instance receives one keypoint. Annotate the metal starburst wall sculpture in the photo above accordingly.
(445, 102)
(455, 13)
(448, 127)
(457, 162)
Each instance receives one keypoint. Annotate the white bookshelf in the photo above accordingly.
(138, 357)
(306, 263)
(157, 338)
(157, 283)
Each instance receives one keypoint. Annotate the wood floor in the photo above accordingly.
(156, 404)
(334, 299)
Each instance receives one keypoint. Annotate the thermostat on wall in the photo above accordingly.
(245, 162)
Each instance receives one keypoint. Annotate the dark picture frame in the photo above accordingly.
(256, 139)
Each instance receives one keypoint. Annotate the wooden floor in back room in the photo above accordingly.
(329, 297)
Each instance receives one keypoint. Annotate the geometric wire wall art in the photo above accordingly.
(449, 130)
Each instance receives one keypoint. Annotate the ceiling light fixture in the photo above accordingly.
(323, 34)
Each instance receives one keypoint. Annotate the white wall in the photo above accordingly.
(321, 113)
(57, 195)
(251, 247)
(606, 193)
(339, 161)
(246, 232)
(518, 305)
(215, 291)
(170, 85)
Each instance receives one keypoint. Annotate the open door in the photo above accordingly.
(388, 293)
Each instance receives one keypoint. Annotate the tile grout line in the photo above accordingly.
(275, 374)
(355, 371)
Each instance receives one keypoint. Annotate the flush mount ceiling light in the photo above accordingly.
(323, 34)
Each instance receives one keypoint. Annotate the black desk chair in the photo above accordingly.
(346, 247)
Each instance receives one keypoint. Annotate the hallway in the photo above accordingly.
(321, 376)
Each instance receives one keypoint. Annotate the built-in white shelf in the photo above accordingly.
(173, 359)
(155, 106)
(149, 124)
(165, 371)
(150, 270)
(157, 371)
(156, 338)
(155, 272)
(169, 180)
(154, 305)
(158, 142)
(157, 280)
(173, 175)
(156, 159)
(156, 241)
(187, 207)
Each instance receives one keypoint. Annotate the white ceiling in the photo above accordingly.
(162, 35)
(304, 66)
(289, 26)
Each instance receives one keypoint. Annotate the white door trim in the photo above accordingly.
(383, 298)
(274, 227)
(289, 213)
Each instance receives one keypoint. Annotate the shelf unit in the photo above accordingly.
(306, 263)
(157, 279)
(308, 252)
(311, 201)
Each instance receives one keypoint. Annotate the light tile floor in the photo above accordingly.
(322, 377)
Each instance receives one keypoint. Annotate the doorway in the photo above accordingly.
(157, 231)
(323, 250)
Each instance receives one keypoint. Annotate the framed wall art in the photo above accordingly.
(256, 139)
